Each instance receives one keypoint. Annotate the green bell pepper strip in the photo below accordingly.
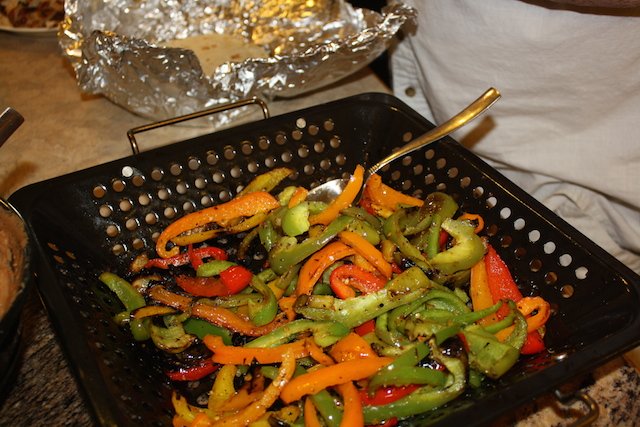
(325, 333)
(429, 241)
(265, 309)
(365, 230)
(466, 252)
(213, 268)
(267, 234)
(386, 334)
(425, 398)
(490, 356)
(361, 214)
(352, 312)
(132, 300)
(403, 370)
(407, 375)
(392, 231)
(295, 220)
(173, 338)
(200, 328)
(327, 407)
(288, 251)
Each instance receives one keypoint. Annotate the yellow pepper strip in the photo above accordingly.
(312, 382)
(241, 400)
(352, 415)
(310, 414)
(185, 413)
(257, 409)
(299, 195)
(317, 353)
(223, 388)
(474, 218)
(152, 310)
(229, 354)
(238, 207)
(286, 306)
(385, 198)
(267, 181)
(219, 316)
(351, 347)
(344, 199)
(367, 251)
(526, 306)
(318, 262)
(480, 293)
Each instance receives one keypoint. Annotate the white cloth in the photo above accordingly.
(567, 128)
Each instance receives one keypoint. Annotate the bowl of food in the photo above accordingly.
(15, 282)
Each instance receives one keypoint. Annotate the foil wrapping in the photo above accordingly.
(116, 49)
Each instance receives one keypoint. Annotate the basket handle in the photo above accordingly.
(214, 110)
(593, 410)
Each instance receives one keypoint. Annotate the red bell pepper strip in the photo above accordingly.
(231, 281)
(236, 278)
(349, 276)
(366, 327)
(203, 286)
(385, 395)
(501, 283)
(502, 286)
(533, 344)
(194, 373)
(187, 257)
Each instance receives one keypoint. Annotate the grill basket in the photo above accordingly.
(101, 218)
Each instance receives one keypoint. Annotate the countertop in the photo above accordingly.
(66, 130)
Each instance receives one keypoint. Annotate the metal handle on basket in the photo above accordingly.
(593, 411)
(214, 110)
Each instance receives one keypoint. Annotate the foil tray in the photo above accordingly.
(101, 218)
(116, 49)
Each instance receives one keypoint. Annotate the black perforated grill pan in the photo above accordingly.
(101, 218)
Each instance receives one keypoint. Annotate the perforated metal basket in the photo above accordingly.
(101, 218)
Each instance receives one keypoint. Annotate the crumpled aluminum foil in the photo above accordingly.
(115, 48)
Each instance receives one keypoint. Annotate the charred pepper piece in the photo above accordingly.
(288, 251)
(402, 289)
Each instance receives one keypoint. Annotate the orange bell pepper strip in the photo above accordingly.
(380, 195)
(312, 382)
(475, 218)
(219, 316)
(243, 206)
(233, 355)
(318, 262)
(311, 414)
(352, 415)
(201, 420)
(346, 277)
(538, 306)
(351, 347)
(367, 251)
(541, 310)
(479, 292)
(317, 354)
(258, 408)
(344, 199)
(299, 195)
